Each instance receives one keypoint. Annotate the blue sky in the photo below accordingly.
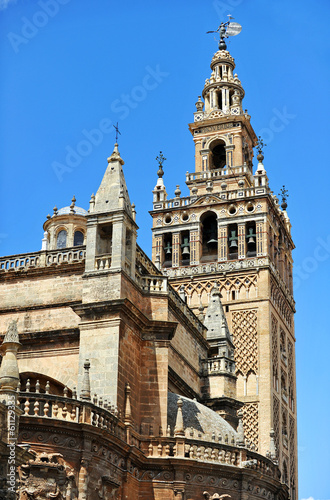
(72, 68)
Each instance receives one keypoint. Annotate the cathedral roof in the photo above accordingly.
(205, 423)
(76, 211)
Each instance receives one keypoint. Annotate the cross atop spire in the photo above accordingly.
(117, 131)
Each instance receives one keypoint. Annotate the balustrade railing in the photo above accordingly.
(211, 452)
(43, 258)
(182, 305)
(218, 364)
(152, 284)
(55, 407)
(103, 261)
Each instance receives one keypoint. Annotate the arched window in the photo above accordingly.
(61, 239)
(78, 238)
(209, 237)
(167, 261)
(218, 155)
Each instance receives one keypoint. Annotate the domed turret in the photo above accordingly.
(66, 228)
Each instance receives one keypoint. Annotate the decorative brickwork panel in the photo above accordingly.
(243, 286)
(280, 303)
(222, 248)
(176, 249)
(274, 328)
(241, 241)
(244, 330)
(292, 448)
(194, 257)
(291, 376)
(276, 423)
(260, 235)
(250, 423)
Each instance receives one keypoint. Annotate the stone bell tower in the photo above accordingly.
(231, 230)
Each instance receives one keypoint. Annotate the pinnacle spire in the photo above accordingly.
(215, 319)
(113, 194)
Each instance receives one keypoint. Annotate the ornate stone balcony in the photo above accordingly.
(212, 453)
(44, 258)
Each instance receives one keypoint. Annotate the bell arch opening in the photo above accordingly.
(217, 155)
(209, 230)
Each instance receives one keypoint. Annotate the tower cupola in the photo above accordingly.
(223, 92)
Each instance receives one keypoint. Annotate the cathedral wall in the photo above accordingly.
(59, 365)
(40, 320)
(99, 342)
(129, 369)
(185, 354)
(45, 289)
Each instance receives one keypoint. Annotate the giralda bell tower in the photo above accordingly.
(232, 231)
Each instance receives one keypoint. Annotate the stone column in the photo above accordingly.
(91, 238)
(118, 245)
(238, 154)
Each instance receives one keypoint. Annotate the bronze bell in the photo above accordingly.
(233, 240)
(251, 237)
(168, 248)
(185, 247)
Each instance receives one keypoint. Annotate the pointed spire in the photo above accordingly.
(9, 374)
(215, 319)
(112, 194)
(179, 429)
(86, 387)
(116, 155)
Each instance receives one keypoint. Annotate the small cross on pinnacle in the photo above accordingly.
(117, 131)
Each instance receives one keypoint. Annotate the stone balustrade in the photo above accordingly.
(202, 451)
(215, 174)
(143, 260)
(63, 408)
(153, 284)
(181, 304)
(217, 365)
(44, 258)
(103, 262)
(215, 267)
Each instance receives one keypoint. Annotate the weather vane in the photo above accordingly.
(260, 145)
(225, 30)
(160, 158)
(284, 193)
(117, 131)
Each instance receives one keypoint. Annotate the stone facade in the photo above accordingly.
(171, 379)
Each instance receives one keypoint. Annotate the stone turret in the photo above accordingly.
(221, 364)
(111, 228)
